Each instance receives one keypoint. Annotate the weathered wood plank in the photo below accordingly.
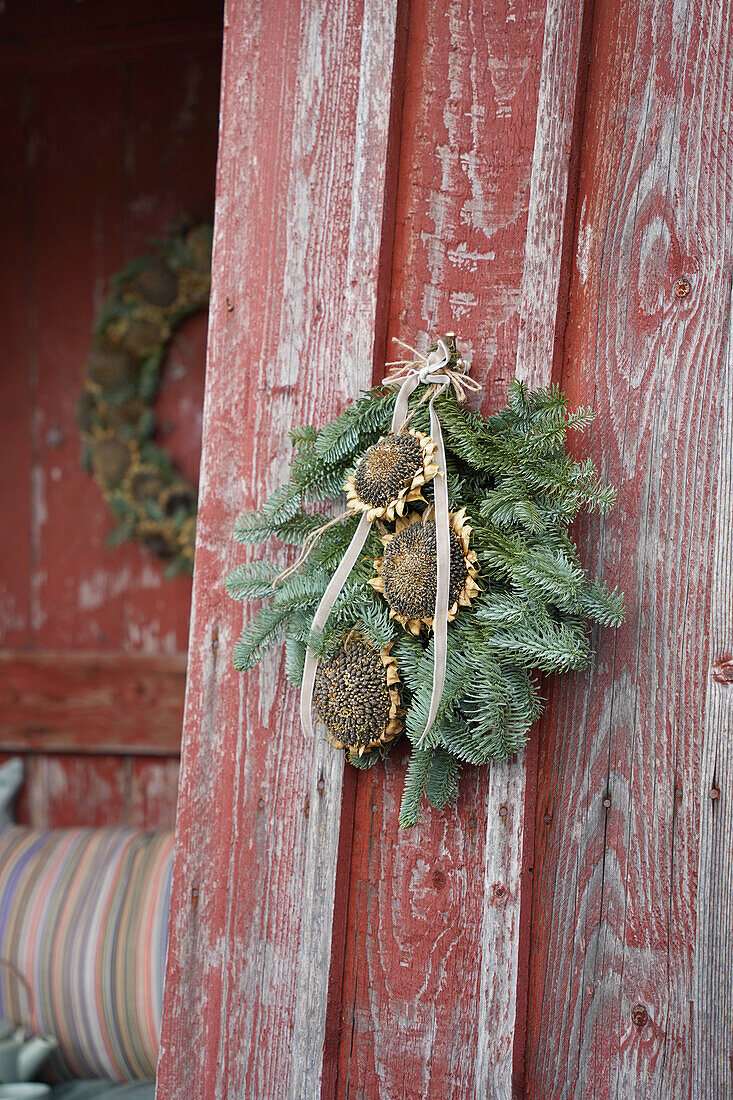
(712, 977)
(152, 792)
(300, 209)
(429, 996)
(68, 791)
(17, 384)
(85, 702)
(506, 928)
(613, 997)
(545, 274)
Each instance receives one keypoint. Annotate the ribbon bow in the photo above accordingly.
(434, 370)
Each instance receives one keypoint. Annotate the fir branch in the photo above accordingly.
(581, 419)
(604, 605)
(260, 633)
(375, 625)
(304, 435)
(441, 786)
(295, 650)
(282, 504)
(415, 781)
(548, 572)
(251, 581)
(556, 648)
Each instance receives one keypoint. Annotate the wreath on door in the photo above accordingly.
(153, 504)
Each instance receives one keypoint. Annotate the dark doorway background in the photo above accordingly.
(108, 127)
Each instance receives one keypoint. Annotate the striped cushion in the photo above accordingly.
(84, 915)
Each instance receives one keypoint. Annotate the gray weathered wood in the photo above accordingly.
(355, 348)
(501, 1033)
(621, 999)
(307, 94)
(712, 1068)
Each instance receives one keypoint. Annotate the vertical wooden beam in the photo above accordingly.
(504, 961)
(432, 953)
(712, 979)
(619, 994)
(302, 184)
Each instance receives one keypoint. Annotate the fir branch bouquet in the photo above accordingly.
(521, 600)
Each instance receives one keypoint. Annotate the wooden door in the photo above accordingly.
(550, 180)
(108, 126)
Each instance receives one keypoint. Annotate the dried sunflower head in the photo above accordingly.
(356, 696)
(407, 572)
(111, 457)
(390, 474)
(144, 482)
(156, 537)
(177, 496)
(156, 284)
(111, 368)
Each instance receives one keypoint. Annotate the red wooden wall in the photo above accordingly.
(552, 181)
(108, 125)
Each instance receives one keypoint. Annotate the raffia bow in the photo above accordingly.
(420, 364)
(433, 370)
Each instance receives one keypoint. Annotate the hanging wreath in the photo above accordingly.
(430, 603)
(152, 502)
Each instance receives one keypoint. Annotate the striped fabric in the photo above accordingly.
(84, 915)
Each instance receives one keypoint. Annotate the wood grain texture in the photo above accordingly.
(712, 975)
(69, 790)
(152, 792)
(432, 953)
(622, 1002)
(552, 191)
(91, 702)
(302, 179)
(72, 790)
(17, 391)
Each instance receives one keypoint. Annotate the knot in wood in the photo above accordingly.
(682, 288)
(723, 671)
(639, 1015)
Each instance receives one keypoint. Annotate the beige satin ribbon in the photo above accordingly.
(429, 374)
